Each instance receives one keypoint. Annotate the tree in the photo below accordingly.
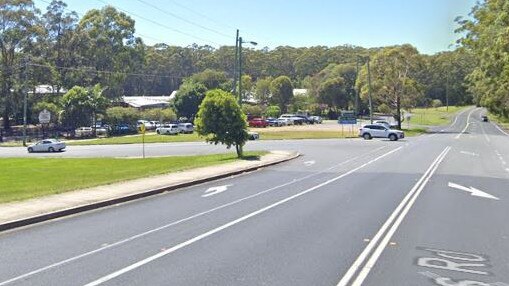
(77, 108)
(281, 89)
(188, 99)
(253, 110)
(211, 79)
(19, 28)
(333, 92)
(262, 90)
(122, 115)
(486, 36)
(436, 103)
(159, 114)
(394, 73)
(273, 111)
(221, 120)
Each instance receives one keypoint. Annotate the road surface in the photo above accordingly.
(430, 210)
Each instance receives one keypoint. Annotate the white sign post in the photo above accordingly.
(44, 117)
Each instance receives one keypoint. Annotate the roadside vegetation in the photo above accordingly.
(25, 178)
(434, 116)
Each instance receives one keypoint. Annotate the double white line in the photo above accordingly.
(360, 268)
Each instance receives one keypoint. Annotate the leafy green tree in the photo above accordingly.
(333, 92)
(394, 73)
(221, 120)
(281, 89)
(189, 98)
(122, 115)
(19, 29)
(254, 110)
(211, 79)
(273, 111)
(262, 90)
(77, 108)
(486, 36)
(159, 114)
(436, 103)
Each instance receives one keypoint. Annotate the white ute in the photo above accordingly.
(171, 129)
(380, 131)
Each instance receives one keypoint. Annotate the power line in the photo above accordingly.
(202, 15)
(184, 19)
(93, 70)
(159, 24)
(136, 33)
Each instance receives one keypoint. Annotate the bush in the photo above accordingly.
(221, 120)
(159, 114)
(273, 111)
(122, 115)
(254, 110)
(436, 103)
(384, 108)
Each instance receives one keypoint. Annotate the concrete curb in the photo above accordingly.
(96, 205)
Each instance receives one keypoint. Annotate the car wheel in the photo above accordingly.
(30, 150)
(366, 136)
(51, 149)
(393, 137)
(158, 132)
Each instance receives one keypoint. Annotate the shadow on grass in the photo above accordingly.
(250, 157)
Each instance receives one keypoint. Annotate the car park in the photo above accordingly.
(168, 129)
(274, 122)
(47, 145)
(294, 119)
(379, 131)
(186, 128)
(258, 122)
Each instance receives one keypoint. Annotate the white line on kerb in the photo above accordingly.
(143, 234)
(500, 129)
(229, 224)
(397, 216)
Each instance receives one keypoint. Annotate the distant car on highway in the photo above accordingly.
(168, 129)
(379, 131)
(186, 128)
(484, 118)
(47, 145)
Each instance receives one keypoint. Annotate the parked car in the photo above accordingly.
(379, 131)
(258, 122)
(47, 145)
(286, 121)
(149, 125)
(84, 132)
(123, 129)
(253, 135)
(170, 129)
(294, 119)
(484, 118)
(274, 122)
(102, 131)
(186, 128)
(305, 119)
(385, 123)
(317, 119)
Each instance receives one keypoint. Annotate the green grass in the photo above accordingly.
(24, 178)
(285, 135)
(416, 131)
(434, 116)
(501, 121)
(134, 139)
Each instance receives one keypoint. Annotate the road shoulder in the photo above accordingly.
(31, 211)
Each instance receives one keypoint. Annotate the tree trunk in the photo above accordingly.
(239, 150)
(398, 111)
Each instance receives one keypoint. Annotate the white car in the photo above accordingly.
(83, 132)
(379, 131)
(186, 128)
(253, 135)
(47, 145)
(170, 129)
(288, 118)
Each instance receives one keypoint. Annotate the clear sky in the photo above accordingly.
(427, 24)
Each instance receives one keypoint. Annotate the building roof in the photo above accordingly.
(46, 89)
(146, 101)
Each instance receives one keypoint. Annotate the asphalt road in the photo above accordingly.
(348, 212)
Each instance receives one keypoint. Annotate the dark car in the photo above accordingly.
(306, 119)
(484, 118)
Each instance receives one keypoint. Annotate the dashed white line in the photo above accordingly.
(468, 123)
(229, 224)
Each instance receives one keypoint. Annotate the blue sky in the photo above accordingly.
(427, 24)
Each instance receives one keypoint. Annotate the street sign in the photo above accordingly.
(347, 117)
(44, 117)
(143, 129)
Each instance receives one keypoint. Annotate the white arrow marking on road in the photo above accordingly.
(309, 163)
(215, 190)
(469, 153)
(473, 191)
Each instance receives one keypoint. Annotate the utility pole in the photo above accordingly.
(25, 99)
(357, 90)
(236, 63)
(369, 93)
(240, 71)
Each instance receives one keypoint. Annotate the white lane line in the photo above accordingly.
(143, 234)
(500, 129)
(397, 216)
(309, 163)
(456, 118)
(469, 153)
(229, 224)
(468, 123)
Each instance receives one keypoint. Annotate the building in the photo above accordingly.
(145, 102)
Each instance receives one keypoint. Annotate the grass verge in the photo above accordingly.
(285, 135)
(25, 178)
(434, 116)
